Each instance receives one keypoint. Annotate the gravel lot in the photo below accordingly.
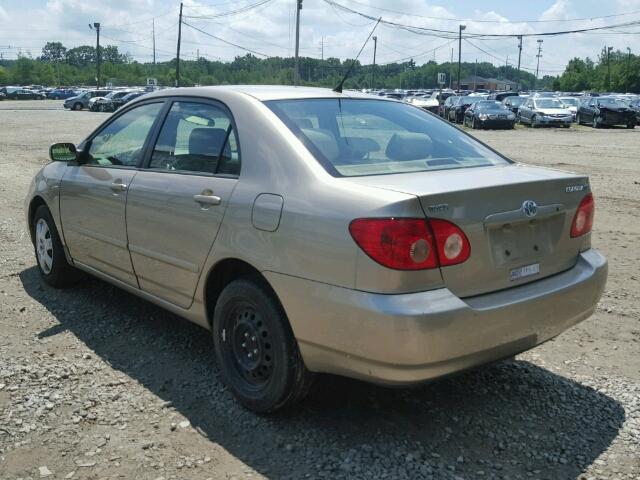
(98, 384)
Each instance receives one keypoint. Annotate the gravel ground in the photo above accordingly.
(98, 384)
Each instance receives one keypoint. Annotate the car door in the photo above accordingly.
(94, 192)
(525, 111)
(176, 204)
(591, 109)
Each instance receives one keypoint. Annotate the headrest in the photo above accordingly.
(323, 141)
(206, 141)
(409, 146)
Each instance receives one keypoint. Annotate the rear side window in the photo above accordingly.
(199, 138)
(354, 137)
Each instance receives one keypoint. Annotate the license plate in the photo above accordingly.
(526, 271)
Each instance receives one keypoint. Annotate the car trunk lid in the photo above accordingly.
(512, 242)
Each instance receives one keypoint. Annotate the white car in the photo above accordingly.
(432, 104)
(571, 104)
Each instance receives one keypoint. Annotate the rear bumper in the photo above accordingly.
(410, 338)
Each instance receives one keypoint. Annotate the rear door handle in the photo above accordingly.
(207, 199)
(118, 186)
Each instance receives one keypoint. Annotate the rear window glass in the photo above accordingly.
(353, 137)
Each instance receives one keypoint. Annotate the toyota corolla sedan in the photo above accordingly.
(312, 231)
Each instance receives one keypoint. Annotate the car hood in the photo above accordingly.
(554, 111)
(614, 109)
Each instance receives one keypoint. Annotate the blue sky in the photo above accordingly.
(27, 24)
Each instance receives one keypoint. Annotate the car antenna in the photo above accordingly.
(338, 88)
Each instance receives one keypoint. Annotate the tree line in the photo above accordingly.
(60, 66)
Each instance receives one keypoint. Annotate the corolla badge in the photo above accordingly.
(529, 208)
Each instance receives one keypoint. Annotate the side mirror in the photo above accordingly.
(63, 152)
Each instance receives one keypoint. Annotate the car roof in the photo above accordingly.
(264, 92)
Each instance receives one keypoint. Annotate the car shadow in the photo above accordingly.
(511, 420)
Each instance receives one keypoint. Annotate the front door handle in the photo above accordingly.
(118, 186)
(207, 199)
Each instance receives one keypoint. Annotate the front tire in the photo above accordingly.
(77, 106)
(52, 262)
(256, 351)
(595, 123)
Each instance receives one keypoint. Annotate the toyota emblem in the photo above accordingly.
(529, 208)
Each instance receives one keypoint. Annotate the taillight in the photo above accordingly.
(583, 219)
(410, 243)
(453, 244)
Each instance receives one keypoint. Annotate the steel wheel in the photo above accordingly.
(249, 345)
(44, 246)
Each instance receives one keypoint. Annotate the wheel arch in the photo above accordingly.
(226, 271)
(36, 202)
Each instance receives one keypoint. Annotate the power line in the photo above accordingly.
(226, 41)
(237, 11)
(450, 34)
(502, 22)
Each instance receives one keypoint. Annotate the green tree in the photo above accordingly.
(53, 52)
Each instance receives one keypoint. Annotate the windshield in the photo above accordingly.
(354, 137)
(483, 106)
(573, 102)
(610, 102)
(548, 103)
(516, 101)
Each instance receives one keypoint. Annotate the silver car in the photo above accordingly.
(313, 231)
(539, 111)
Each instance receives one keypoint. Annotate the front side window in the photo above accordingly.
(199, 138)
(354, 137)
(121, 142)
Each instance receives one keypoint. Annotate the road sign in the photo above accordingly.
(152, 82)
(442, 78)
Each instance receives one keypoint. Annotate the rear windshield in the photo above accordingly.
(354, 137)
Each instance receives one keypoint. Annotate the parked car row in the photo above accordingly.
(538, 109)
(19, 93)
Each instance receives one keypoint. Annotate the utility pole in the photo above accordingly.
(296, 71)
(178, 48)
(96, 27)
(608, 50)
(461, 28)
(451, 69)
(153, 29)
(373, 72)
(322, 58)
(539, 55)
(519, 57)
(475, 76)
(628, 69)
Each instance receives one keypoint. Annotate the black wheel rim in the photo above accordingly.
(248, 346)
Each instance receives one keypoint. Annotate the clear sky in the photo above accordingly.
(25, 25)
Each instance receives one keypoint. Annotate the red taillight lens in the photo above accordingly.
(583, 220)
(410, 243)
(453, 244)
(398, 243)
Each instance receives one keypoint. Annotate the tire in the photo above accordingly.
(631, 125)
(595, 124)
(578, 119)
(473, 123)
(534, 122)
(52, 262)
(255, 349)
(77, 106)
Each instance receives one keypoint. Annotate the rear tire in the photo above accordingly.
(52, 262)
(77, 106)
(631, 125)
(256, 351)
